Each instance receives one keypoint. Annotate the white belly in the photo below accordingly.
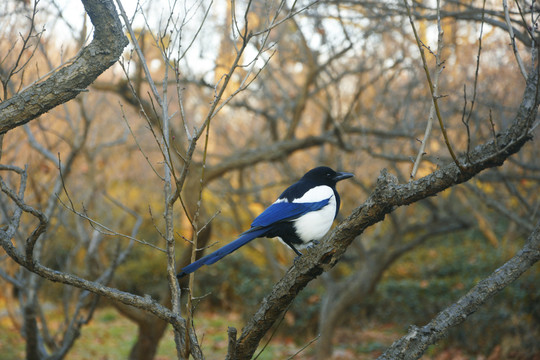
(314, 225)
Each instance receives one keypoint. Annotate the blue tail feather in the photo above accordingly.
(223, 251)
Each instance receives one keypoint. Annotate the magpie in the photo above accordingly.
(300, 217)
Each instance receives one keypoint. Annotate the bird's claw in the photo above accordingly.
(312, 244)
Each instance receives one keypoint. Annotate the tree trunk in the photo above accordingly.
(151, 328)
(31, 331)
(148, 337)
(339, 300)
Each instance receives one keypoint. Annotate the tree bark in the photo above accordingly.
(415, 342)
(148, 336)
(387, 196)
(31, 332)
(341, 296)
(151, 328)
(64, 84)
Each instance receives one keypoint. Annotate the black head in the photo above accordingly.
(325, 175)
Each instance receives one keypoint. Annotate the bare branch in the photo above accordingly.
(432, 88)
(385, 198)
(415, 343)
(438, 70)
(513, 40)
(66, 83)
(143, 63)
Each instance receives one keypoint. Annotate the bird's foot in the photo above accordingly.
(312, 244)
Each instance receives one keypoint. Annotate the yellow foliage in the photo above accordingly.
(256, 253)
(488, 188)
(485, 228)
(424, 170)
(256, 208)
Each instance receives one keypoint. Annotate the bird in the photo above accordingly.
(300, 217)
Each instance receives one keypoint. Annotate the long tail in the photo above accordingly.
(221, 252)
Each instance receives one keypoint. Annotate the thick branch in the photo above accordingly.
(67, 82)
(270, 152)
(414, 344)
(387, 196)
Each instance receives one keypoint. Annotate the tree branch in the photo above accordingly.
(414, 344)
(67, 82)
(387, 196)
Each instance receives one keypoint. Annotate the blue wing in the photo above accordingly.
(283, 211)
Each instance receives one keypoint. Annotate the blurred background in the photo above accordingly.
(340, 83)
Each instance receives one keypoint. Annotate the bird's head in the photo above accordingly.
(325, 175)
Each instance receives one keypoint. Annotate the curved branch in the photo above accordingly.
(270, 152)
(67, 82)
(387, 196)
(414, 344)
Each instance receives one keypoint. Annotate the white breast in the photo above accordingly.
(314, 225)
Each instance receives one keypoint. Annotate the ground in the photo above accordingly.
(110, 336)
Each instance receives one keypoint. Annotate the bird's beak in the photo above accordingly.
(342, 176)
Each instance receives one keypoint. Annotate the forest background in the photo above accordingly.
(117, 156)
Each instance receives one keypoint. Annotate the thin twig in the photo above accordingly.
(467, 121)
(512, 39)
(289, 16)
(137, 141)
(196, 232)
(135, 44)
(493, 133)
(438, 70)
(23, 207)
(275, 330)
(103, 229)
(305, 347)
(432, 90)
(209, 221)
